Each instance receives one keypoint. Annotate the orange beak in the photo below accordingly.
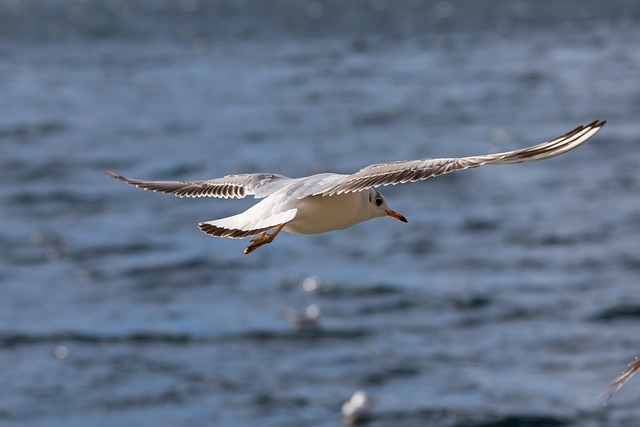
(396, 215)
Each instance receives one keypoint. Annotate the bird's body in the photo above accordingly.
(326, 202)
(300, 213)
(315, 214)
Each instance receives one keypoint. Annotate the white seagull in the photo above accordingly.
(329, 201)
(358, 409)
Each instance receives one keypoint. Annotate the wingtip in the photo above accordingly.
(114, 174)
(108, 172)
(597, 125)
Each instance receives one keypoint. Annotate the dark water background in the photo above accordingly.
(511, 298)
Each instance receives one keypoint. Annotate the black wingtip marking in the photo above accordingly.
(115, 175)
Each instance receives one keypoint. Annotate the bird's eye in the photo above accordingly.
(378, 201)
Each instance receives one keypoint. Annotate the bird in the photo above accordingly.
(328, 201)
(357, 409)
(632, 369)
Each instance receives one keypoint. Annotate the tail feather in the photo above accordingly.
(244, 224)
(233, 233)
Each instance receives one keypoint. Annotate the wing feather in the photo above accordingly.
(632, 369)
(400, 172)
(230, 186)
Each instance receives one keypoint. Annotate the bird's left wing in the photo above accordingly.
(231, 186)
(416, 170)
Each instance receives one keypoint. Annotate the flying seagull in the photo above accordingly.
(329, 201)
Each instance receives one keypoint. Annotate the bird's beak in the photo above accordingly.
(396, 215)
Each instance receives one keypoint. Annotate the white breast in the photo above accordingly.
(318, 214)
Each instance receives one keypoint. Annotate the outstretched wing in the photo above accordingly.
(416, 170)
(231, 186)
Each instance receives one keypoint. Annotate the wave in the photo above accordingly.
(15, 339)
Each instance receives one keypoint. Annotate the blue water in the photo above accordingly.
(511, 298)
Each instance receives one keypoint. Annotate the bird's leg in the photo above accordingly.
(263, 239)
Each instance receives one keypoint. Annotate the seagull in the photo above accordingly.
(358, 409)
(329, 201)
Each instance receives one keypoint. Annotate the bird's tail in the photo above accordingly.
(244, 224)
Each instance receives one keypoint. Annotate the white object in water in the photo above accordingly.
(309, 319)
(358, 409)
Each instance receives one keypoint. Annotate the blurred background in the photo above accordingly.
(509, 299)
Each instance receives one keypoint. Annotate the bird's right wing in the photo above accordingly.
(231, 186)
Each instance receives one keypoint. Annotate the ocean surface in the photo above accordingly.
(510, 299)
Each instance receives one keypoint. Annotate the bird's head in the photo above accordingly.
(378, 206)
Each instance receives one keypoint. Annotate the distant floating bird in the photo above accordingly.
(309, 319)
(328, 201)
(358, 409)
(632, 369)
